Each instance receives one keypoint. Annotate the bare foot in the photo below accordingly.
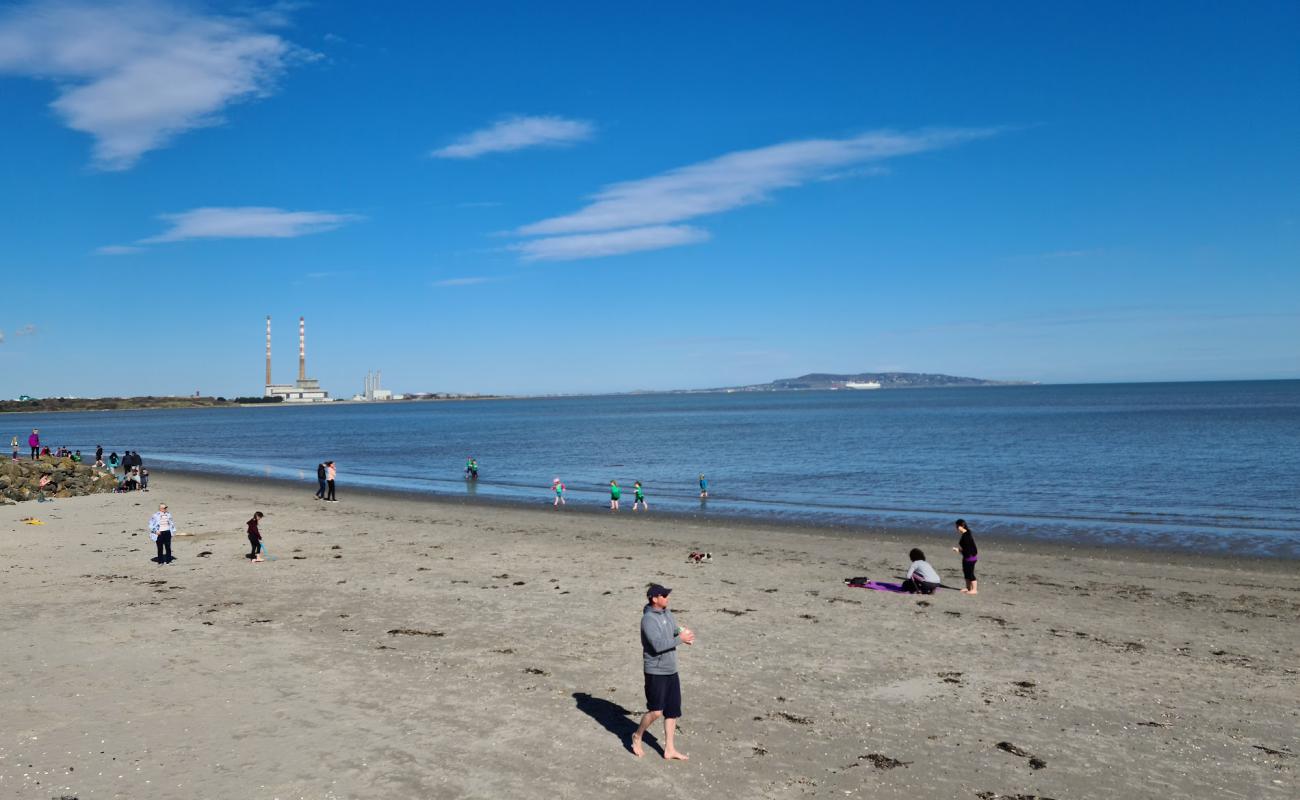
(965, 591)
(673, 755)
(636, 746)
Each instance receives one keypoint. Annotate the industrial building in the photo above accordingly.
(372, 390)
(304, 390)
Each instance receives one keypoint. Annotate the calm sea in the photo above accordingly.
(1200, 466)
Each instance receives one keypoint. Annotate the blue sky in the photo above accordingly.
(536, 198)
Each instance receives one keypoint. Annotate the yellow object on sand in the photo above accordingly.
(33, 521)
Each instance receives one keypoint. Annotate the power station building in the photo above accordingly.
(304, 390)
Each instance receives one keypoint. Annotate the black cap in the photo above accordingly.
(655, 590)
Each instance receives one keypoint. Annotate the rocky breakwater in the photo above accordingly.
(51, 477)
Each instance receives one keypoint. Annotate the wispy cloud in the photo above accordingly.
(608, 243)
(249, 222)
(739, 179)
(640, 214)
(474, 281)
(118, 250)
(518, 133)
(134, 74)
(26, 330)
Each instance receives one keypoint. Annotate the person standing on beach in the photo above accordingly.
(14, 445)
(161, 526)
(704, 487)
(321, 470)
(255, 538)
(614, 494)
(330, 473)
(99, 452)
(969, 555)
(660, 635)
(638, 497)
(559, 493)
(34, 442)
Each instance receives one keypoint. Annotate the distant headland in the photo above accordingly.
(821, 381)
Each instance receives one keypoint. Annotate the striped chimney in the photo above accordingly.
(268, 350)
(302, 349)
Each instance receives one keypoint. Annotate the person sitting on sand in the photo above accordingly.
(969, 555)
(255, 538)
(921, 577)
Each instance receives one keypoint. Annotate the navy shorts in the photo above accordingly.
(968, 569)
(664, 693)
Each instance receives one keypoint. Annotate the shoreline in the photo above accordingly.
(931, 537)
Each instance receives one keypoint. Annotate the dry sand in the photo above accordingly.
(404, 648)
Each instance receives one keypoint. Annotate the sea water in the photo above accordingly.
(1197, 466)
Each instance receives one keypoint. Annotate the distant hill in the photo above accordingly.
(887, 380)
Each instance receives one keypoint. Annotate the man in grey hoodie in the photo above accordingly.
(660, 635)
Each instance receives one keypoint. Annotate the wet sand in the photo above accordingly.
(400, 647)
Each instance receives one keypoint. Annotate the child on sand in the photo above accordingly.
(638, 498)
(255, 538)
(969, 555)
(921, 577)
(614, 494)
(559, 492)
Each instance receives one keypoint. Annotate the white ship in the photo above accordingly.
(861, 385)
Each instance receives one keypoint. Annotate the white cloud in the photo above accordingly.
(609, 243)
(737, 179)
(463, 281)
(134, 74)
(250, 222)
(517, 133)
(117, 250)
(26, 330)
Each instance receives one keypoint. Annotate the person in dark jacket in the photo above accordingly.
(255, 537)
(320, 480)
(969, 555)
(660, 635)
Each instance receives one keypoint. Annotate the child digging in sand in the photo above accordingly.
(969, 555)
(921, 577)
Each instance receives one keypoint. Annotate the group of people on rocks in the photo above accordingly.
(134, 474)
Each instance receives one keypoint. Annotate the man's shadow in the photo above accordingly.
(614, 718)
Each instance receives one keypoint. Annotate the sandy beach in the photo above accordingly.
(406, 648)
